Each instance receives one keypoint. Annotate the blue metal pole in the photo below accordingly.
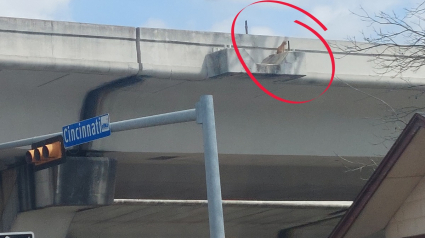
(205, 116)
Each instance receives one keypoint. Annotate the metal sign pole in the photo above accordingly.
(205, 116)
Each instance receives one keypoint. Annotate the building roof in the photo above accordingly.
(389, 186)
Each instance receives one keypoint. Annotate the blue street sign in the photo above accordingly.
(28, 234)
(86, 131)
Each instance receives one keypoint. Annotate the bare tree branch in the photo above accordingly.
(397, 42)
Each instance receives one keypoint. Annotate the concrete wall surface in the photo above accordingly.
(47, 68)
(50, 67)
(67, 40)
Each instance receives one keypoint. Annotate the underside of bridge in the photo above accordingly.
(287, 170)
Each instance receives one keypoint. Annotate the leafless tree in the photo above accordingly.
(397, 40)
(396, 44)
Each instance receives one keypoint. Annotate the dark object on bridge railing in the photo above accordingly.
(246, 27)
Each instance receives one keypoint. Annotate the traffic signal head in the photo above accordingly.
(45, 152)
(32, 156)
(52, 151)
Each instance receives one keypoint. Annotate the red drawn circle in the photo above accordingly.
(235, 46)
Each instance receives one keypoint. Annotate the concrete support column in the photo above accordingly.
(52, 222)
(46, 201)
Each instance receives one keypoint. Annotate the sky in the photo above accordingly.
(211, 15)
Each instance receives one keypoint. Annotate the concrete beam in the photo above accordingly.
(53, 222)
(46, 201)
(288, 65)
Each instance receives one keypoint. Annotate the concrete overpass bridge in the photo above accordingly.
(279, 162)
